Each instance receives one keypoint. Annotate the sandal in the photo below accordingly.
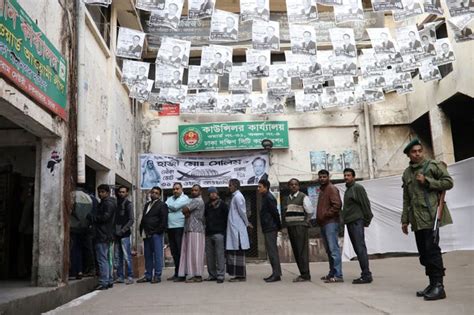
(334, 280)
(326, 277)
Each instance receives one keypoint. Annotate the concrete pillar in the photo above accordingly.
(49, 221)
(441, 135)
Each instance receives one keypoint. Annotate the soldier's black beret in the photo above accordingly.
(410, 145)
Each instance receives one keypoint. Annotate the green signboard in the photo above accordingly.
(232, 136)
(29, 60)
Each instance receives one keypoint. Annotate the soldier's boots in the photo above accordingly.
(435, 293)
(424, 291)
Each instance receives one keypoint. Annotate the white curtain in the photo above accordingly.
(386, 198)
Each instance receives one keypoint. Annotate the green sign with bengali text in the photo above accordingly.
(232, 136)
(30, 60)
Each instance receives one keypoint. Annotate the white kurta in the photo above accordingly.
(237, 223)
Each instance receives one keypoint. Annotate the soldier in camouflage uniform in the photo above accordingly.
(423, 181)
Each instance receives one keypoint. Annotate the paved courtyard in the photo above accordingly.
(392, 292)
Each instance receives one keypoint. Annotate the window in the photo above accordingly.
(101, 17)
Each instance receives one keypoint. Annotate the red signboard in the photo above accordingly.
(169, 110)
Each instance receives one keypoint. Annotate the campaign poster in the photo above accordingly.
(409, 40)
(387, 5)
(169, 16)
(429, 72)
(279, 82)
(350, 10)
(135, 72)
(444, 52)
(410, 9)
(258, 63)
(174, 52)
(255, 10)
(307, 102)
(239, 80)
(130, 43)
(141, 91)
(303, 39)
(224, 26)
(150, 5)
(200, 9)
(433, 7)
(301, 11)
(216, 59)
(167, 76)
(266, 35)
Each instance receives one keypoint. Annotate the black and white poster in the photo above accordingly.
(174, 52)
(307, 102)
(240, 103)
(429, 72)
(216, 59)
(303, 39)
(313, 85)
(309, 67)
(279, 82)
(464, 34)
(141, 90)
(329, 98)
(189, 105)
(135, 72)
(350, 10)
(266, 35)
(130, 43)
(343, 42)
(150, 5)
(444, 52)
(255, 10)
(239, 80)
(325, 59)
(259, 103)
(166, 76)
(369, 64)
(333, 3)
(382, 41)
(344, 83)
(170, 16)
(410, 9)
(369, 95)
(224, 103)
(410, 63)
(460, 7)
(292, 63)
(405, 88)
(428, 40)
(258, 63)
(165, 170)
(224, 26)
(433, 7)
(301, 11)
(103, 3)
(173, 95)
(409, 40)
(206, 102)
(200, 9)
(276, 104)
(387, 5)
(202, 81)
(373, 81)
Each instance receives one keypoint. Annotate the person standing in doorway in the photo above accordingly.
(423, 183)
(176, 204)
(271, 224)
(296, 218)
(192, 249)
(237, 238)
(124, 219)
(216, 214)
(356, 215)
(103, 224)
(153, 223)
(327, 216)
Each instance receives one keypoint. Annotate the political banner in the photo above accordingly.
(165, 170)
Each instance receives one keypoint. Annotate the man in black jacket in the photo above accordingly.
(124, 219)
(271, 224)
(103, 225)
(154, 223)
(216, 213)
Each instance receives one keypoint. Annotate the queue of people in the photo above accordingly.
(218, 233)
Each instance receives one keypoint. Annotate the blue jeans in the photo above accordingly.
(102, 251)
(153, 256)
(357, 236)
(329, 233)
(123, 252)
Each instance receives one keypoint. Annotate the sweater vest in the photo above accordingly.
(295, 209)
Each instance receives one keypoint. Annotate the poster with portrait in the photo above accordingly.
(165, 170)
(167, 76)
(444, 52)
(150, 5)
(255, 10)
(258, 63)
(313, 85)
(130, 43)
(369, 64)
(344, 83)
(409, 40)
(410, 63)
(460, 7)
(189, 105)
(266, 35)
(342, 65)
(325, 59)
(206, 102)
(224, 103)
(373, 81)
(387, 5)
(240, 103)
(169, 17)
(428, 40)
(224, 26)
(391, 80)
(433, 7)
(346, 98)
(307, 102)
(200, 9)
(410, 9)
(303, 39)
(343, 42)
(382, 40)
(292, 63)
(461, 21)
(373, 95)
(174, 52)
(464, 34)
(329, 98)
(302, 11)
(216, 59)
(173, 95)
(405, 88)
(202, 81)
(259, 103)
(429, 72)
(350, 10)
(276, 104)
(335, 161)
(140, 90)
(134, 72)
(309, 67)
(279, 82)
(239, 80)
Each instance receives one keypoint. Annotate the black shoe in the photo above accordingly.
(179, 279)
(210, 279)
(266, 278)
(143, 280)
(156, 280)
(220, 281)
(101, 287)
(362, 280)
(273, 279)
(435, 293)
(423, 292)
(172, 278)
(237, 279)
(111, 285)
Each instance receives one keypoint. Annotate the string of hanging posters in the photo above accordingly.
(314, 79)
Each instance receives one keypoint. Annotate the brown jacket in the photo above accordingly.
(329, 205)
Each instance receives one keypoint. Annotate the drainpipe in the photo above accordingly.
(368, 134)
(81, 92)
